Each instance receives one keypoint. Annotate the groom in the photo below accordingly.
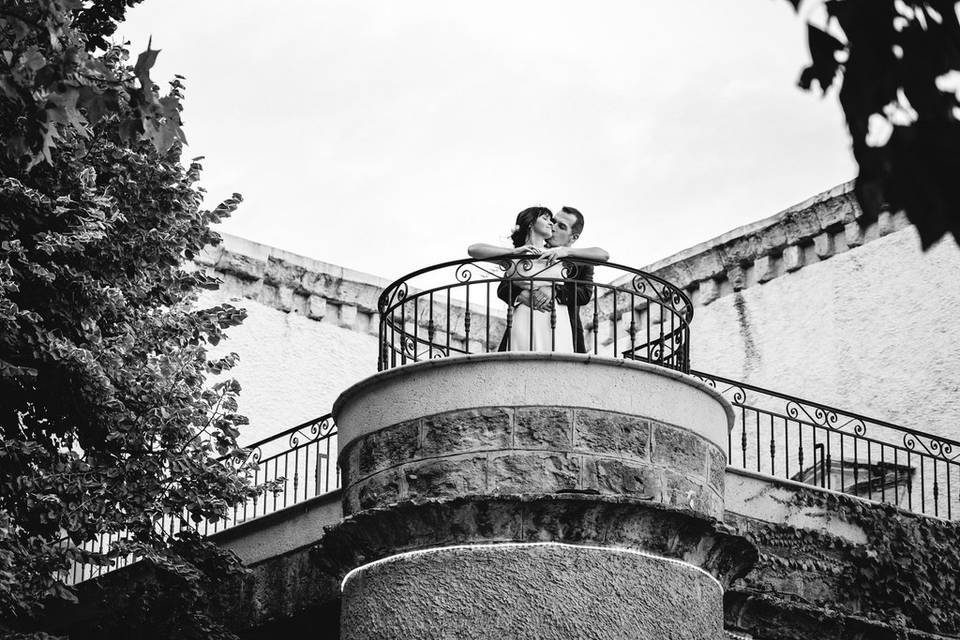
(577, 291)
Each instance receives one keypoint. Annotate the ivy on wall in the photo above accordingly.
(907, 572)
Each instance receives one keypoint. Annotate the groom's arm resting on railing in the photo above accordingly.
(553, 254)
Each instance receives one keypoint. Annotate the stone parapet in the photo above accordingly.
(318, 290)
(532, 450)
(809, 232)
(512, 470)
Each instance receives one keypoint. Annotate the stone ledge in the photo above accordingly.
(318, 290)
(806, 233)
(573, 519)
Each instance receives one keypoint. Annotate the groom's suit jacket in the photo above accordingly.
(576, 292)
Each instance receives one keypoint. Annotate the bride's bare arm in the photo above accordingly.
(483, 251)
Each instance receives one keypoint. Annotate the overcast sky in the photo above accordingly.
(385, 136)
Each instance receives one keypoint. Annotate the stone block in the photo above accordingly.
(718, 468)
(348, 316)
(388, 447)
(284, 298)
(543, 428)
(446, 477)
(709, 291)
(608, 432)
(351, 500)
(680, 450)
(682, 492)
(737, 277)
(316, 307)
(792, 258)
(615, 477)
(801, 226)
(772, 240)
(740, 250)
(241, 266)
(315, 283)
(379, 489)
(853, 234)
(349, 462)
(823, 245)
(679, 273)
(765, 269)
(832, 213)
(467, 430)
(530, 472)
(706, 265)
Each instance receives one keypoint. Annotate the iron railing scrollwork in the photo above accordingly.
(455, 308)
(783, 436)
(299, 463)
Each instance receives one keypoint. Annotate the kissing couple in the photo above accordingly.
(532, 289)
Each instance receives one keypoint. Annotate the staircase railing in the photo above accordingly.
(788, 437)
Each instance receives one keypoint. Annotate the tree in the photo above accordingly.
(893, 60)
(108, 423)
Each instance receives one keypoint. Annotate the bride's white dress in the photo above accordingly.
(531, 330)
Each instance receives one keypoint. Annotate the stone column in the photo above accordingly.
(526, 495)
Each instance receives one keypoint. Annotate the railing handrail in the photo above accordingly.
(287, 431)
(828, 408)
(384, 300)
(419, 320)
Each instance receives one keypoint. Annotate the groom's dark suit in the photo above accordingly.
(574, 293)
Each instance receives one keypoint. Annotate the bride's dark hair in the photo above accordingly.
(525, 220)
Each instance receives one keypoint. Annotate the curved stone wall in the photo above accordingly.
(543, 591)
(533, 495)
(554, 449)
(574, 425)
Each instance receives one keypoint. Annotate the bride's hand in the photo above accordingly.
(527, 248)
(554, 254)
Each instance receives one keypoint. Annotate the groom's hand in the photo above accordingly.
(541, 301)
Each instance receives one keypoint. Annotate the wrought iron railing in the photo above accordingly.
(475, 306)
(299, 463)
(788, 437)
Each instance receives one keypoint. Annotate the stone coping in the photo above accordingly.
(497, 546)
(500, 379)
(806, 233)
(811, 231)
(584, 358)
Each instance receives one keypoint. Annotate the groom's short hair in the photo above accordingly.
(577, 226)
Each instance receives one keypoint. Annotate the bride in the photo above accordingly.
(536, 325)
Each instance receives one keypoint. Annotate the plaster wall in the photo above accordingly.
(291, 368)
(872, 330)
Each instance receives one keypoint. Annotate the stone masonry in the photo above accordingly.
(517, 450)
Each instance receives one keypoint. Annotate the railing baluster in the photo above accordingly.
(466, 322)
(596, 323)
(553, 318)
(430, 329)
(486, 339)
(773, 450)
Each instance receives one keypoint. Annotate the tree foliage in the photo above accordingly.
(108, 423)
(893, 61)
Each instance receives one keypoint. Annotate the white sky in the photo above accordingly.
(385, 136)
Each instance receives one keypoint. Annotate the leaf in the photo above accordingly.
(145, 62)
(823, 53)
